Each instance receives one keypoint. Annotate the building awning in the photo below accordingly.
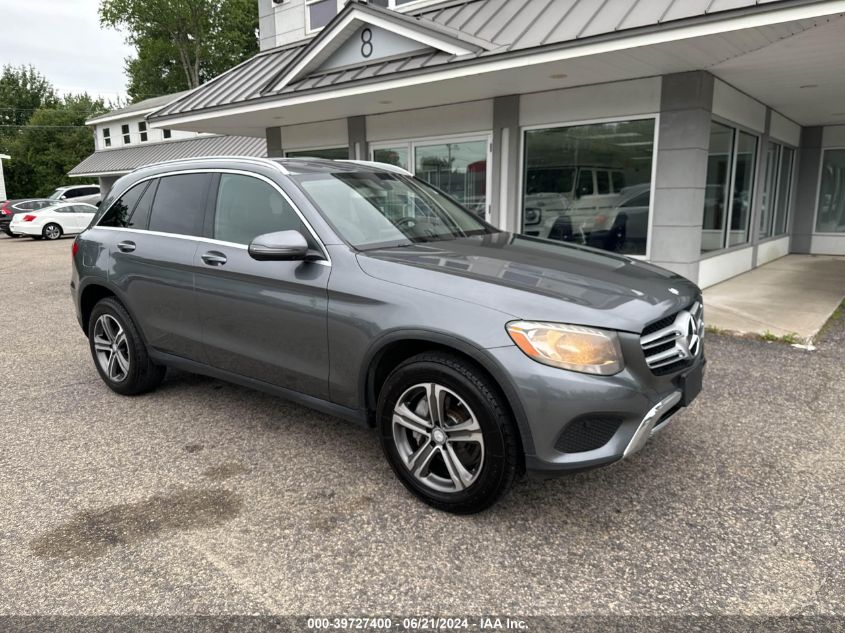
(467, 41)
(119, 161)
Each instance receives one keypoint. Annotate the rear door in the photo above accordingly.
(158, 224)
(264, 320)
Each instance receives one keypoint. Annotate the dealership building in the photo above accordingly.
(707, 136)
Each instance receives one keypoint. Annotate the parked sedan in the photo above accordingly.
(64, 218)
(9, 208)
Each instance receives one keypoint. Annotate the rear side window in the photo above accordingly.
(141, 217)
(248, 207)
(603, 182)
(120, 212)
(179, 204)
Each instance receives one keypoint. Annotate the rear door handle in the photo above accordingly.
(214, 258)
(126, 246)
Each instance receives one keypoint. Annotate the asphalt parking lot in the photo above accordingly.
(206, 498)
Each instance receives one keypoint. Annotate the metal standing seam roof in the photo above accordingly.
(509, 25)
(140, 106)
(126, 159)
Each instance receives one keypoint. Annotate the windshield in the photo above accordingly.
(56, 194)
(378, 209)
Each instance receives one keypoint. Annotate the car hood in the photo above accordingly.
(534, 279)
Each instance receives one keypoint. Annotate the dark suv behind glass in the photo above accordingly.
(363, 292)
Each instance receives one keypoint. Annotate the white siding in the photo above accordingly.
(618, 99)
(115, 126)
(729, 103)
(324, 134)
(712, 270)
(458, 118)
(784, 130)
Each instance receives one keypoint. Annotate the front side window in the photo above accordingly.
(119, 213)
(179, 205)
(248, 207)
(831, 210)
(320, 13)
(374, 209)
(579, 181)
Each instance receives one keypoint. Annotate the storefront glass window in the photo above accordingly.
(784, 190)
(392, 156)
(831, 212)
(459, 169)
(590, 184)
(767, 203)
(332, 153)
(718, 183)
(729, 193)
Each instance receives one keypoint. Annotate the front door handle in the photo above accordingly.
(126, 246)
(214, 258)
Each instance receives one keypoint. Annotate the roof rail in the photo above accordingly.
(384, 166)
(249, 159)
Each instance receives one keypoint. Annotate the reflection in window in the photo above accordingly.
(459, 169)
(248, 207)
(331, 153)
(590, 184)
(831, 212)
(746, 160)
(397, 156)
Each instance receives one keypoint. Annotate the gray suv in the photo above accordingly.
(365, 293)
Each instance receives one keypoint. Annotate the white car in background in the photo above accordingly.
(62, 218)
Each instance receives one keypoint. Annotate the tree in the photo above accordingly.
(182, 43)
(54, 140)
(22, 91)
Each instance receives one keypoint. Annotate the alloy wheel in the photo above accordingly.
(438, 437)
(112, 348)
(52, 232)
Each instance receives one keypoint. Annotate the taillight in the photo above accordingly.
(75, 248)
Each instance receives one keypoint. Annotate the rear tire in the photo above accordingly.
(119, 352)
(463, 458)
(52, 231)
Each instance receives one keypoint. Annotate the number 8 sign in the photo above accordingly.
(366, 43)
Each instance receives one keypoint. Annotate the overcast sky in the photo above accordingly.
(64, 41)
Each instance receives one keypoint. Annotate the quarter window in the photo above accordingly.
(248, 207)
(119, 213)
(179, 204)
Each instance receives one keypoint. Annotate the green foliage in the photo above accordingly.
(791, 338)
(182, 43)
(45, 135)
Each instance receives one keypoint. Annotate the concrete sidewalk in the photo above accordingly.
(794, 295)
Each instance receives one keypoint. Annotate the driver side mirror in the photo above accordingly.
(281, 246)
(63, 197)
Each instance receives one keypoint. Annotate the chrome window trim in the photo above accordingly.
(276, 186)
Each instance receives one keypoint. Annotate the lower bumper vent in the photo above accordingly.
(587, 434)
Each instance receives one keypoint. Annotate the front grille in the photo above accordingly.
(673, 342)
(587, 433)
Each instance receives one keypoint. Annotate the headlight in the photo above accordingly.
(575, 347)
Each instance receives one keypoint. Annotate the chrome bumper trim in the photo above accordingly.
(647, 425)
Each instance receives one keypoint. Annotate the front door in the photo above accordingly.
(265, 320)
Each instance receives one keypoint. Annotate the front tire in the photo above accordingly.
(119, 352)
(447, 433)
(52, 231)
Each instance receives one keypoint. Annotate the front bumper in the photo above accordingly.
(633, 405)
